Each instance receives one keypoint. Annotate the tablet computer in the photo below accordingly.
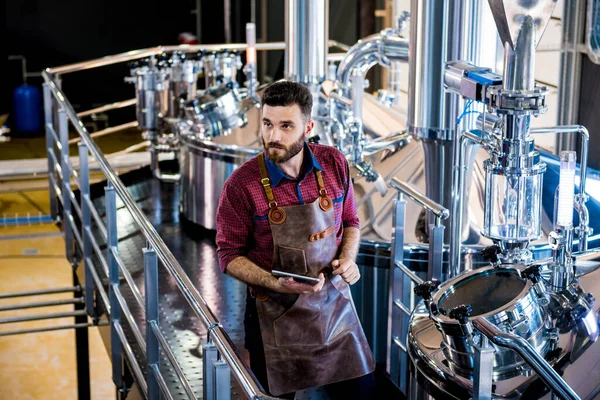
(299, 278)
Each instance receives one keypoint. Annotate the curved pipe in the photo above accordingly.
(380, 48)
(581, 198)
(528, 353)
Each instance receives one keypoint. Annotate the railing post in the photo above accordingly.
(113, 277)
(63, 132)
(484, 366)
(436, 250)
(48, 124)
(399, 291)
(152, 347)
(86, 223)
(222, 383)
(209, 357)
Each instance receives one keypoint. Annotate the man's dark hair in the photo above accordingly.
(285, 93)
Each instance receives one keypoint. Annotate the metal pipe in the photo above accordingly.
(528, 353)
(420, 198)
(573, 32)
(78, 300)
(108, 131)
(458, 195)
(306, 34)
(108, 107)
(153, 51)
(135, 366)
(519, 65)
(375, 49)
(169, 353)
(583, 229)
(189, 291)
(126, 312)
(129, 279)
(409, 273)
(50, 329)
(98, 283)
(39, 292)
(585, 140)
(10, 320)
(161, 382)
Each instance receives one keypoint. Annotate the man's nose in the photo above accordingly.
(275, 135)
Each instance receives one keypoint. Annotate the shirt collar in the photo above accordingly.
(309, 163)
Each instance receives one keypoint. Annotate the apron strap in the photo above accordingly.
(276, 214)
(324, 201)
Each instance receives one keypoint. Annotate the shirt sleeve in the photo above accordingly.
(234, 225)
(349, 215)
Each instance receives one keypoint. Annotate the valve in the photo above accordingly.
(425, 289)
(461, 313)
(532, 273)
(490, 254)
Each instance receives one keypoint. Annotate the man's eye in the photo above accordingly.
(267, 124)
(286, 126)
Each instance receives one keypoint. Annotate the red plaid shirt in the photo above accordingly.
(242, 224)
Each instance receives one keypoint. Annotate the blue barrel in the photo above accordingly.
(28, 108)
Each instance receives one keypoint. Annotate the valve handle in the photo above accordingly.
(461, 313)
(532, 273)
(425, 289)
(490, 253)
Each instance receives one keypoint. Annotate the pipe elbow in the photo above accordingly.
(584, 132)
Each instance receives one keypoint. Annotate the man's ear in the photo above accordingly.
(309, 127)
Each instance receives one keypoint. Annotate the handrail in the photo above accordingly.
(153, 51)
(218, 335)
(523, 348)
(418, 197)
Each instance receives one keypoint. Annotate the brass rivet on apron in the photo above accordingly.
(325, 203)
(277, 215)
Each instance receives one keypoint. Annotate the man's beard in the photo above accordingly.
(289, 152)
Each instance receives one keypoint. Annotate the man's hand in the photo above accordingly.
(289, 285)
(347, 269)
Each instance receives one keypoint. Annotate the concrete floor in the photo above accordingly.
(40, 365)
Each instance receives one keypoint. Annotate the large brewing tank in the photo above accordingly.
(221, 132)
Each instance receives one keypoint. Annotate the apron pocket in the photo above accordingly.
(292, 260)
(301, 325)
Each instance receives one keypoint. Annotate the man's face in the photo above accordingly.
(283, 131)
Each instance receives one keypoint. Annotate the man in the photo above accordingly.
(292, 209)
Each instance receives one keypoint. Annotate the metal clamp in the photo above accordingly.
(210, 329)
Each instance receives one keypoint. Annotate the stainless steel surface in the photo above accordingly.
(381, 48)
(533, 358)
(224, 134)
(306, 38)
(519, 63)
(508, 15)
(503, 298)
(420, 198)
(450, 30)
(180, 278)
(573, 33)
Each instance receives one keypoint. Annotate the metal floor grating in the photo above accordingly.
(196, 252)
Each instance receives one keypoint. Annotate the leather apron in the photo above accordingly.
(310, 339)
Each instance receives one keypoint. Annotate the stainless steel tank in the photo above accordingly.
(221, 132)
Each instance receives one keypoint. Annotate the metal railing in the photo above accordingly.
(220, 358)
(402, 279)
